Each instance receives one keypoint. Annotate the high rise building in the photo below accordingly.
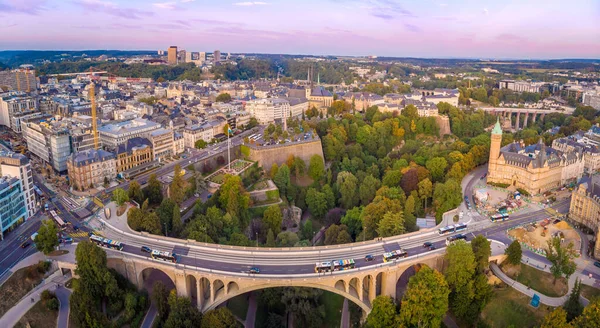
(17, 165)
(49, 140)
(15, 104)
(189, 57)
(202, 56)
(217, 56)
(172, 55)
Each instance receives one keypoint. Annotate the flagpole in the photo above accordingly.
(228, 151)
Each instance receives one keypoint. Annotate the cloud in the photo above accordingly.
(112, 9)
(383, 16)
(165, 5)
(186, 1)
(486, 11)
(412, 28)
(386, 9)
(250, 3)
(31, 7)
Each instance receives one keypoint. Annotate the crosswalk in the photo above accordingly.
(81, 234)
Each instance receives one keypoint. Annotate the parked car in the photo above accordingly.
(67, 240)
(597, 264)
(25, 244)
(146, 249)
(369, 258)
(254, 270)
(76, 228)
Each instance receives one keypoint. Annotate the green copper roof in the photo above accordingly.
(497, 129)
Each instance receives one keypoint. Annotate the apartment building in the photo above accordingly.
(271, 110)
(13, 104)
(49, 140)
(19, 79)
(196, 132)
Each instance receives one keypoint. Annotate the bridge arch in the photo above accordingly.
(149, 275)
(350, 296)
(402, 281)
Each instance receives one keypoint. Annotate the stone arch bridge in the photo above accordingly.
(210, 288)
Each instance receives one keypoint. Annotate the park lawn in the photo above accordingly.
(17, 286)
(509, 308)
(239, 305)
(537, 280)
(333, 308)
(38, 316)
(589, 292)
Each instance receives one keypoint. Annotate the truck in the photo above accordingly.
(33, 236)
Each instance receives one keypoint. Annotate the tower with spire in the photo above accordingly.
(495, 145)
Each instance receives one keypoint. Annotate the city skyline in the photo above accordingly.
(434, 29)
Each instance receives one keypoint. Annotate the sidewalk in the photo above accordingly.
(12, 316)
(63, 294)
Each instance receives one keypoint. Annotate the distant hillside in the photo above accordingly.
(14, 58)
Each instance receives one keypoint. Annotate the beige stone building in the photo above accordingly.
(135, 152)
(585, 208)
(319, 97)
(90, 168)
(535, 168)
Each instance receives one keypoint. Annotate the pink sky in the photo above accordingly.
(425, 28)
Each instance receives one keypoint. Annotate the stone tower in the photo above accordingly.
(495, 148)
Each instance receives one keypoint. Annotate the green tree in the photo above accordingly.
(353, 221)
(120, 196)
(392, 178)
(273, 170)
(165, 214)
(590, 318)
(223, 97)
(426, 299)
(153, 190)
(514, 253)
(135, 192)
(176, 224)
(270, 239)
(299, 167)
(219, 318)
(425, 190)
(160, 298)
(459, 275)
(437, 167)
(556, 319)
(572, 305)
(177, 186)
(47, 238)
(391, 224)
(234, 199)
(200, 144)
(410, 219)
(287, 239)
(273, 218)
(384, 313)
(316, 202)
(182, 314)
(561, 258)
(282, 180)
(316, 167)
(482, 250)
(368, 188)
(347, 185)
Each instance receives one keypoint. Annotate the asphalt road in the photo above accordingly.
(303, 262)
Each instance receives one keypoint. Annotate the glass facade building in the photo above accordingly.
(13, 210)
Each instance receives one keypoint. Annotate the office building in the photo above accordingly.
(91, 168)
(22, 79)
(49, 140)
(217, 56)
(132, 153)
(17, 165)
(172, 55)
(521, 86)
(115, 134)
(591, 98)
(196, 132)
(585, 207)
(13, 210)
(271, 110)
(162, 144)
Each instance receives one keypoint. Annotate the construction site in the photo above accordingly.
(537, 234)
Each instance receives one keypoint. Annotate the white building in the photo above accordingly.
(269, 110)
(14, 104)
(115, 134)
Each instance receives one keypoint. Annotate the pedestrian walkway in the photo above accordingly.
(345, 320)
(63, 295)
(251, 312)
(12, 316)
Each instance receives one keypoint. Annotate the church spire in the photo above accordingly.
(497, 128)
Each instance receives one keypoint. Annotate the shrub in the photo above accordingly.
(52, 304)
(47, 295)
(499, 185)
(455, 218)
(523, 192)
(43, 266)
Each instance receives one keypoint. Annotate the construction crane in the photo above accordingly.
(92, 91)
(27, 78)
(18, 81)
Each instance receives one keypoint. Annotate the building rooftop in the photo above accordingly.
(7, 181)
(134, 125)
(133, 144)
(12, 158)
(86, 157)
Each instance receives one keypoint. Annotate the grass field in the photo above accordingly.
(19, 284)
(333, 308)
(509, 308)
(589, 292)
(38, 316)
(538, 280)
(239, 305)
